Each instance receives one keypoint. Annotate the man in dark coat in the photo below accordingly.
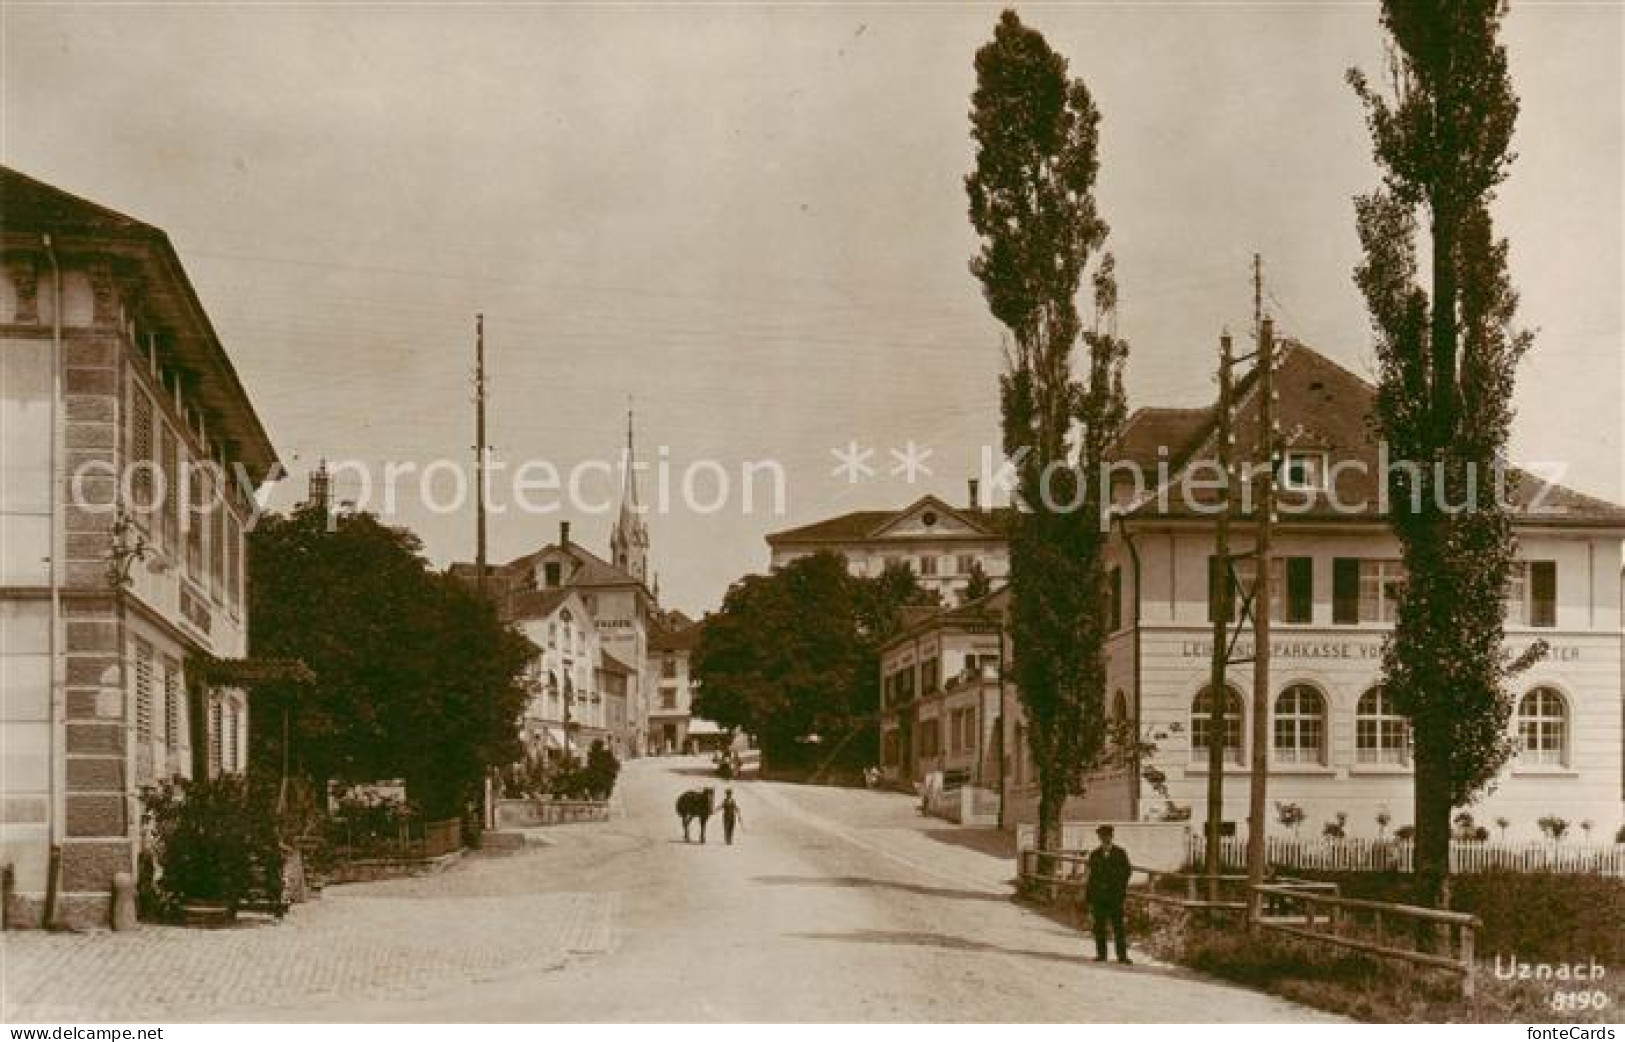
(730, 816)
(1108, 885)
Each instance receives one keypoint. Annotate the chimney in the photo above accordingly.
(975, 494)
(564, 535)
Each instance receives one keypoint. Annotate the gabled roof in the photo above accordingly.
(984, 611)
(510, 582)
(31, 209)
(865, 525)
(1325, 408)
(537, 604)
(684, 638)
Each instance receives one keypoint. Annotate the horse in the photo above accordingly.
(696, 803)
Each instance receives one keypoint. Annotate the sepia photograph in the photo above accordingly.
(889, 514)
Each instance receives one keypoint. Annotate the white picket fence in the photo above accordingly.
(1371, 855)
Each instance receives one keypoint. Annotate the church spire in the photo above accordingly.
(629, 541)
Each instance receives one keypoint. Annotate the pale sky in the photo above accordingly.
(751, 218)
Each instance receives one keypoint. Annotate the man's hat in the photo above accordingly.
(1104, 831)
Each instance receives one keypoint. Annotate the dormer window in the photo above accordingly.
(1303, 471)
(550, 574)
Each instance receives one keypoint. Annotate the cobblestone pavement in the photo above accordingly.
(377, 942)
(833, 905)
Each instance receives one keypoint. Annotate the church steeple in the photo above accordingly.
(629, 540)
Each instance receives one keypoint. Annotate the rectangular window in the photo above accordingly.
(1346, 591)
(1300, 590)
(216, 731)
(228, 739)
(668, 666)
(1382, 584)
(233, 537)
(170, 455)
(216, 507)
(141, 652)
(928, 564)
(967, 563)
(140, 455)
(192, 519)
(1543, 593)
(929, 681)
(173, 719)
(1303, 471)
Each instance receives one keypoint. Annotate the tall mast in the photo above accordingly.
(479, 451)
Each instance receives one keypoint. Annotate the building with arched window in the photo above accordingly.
(1338, 742)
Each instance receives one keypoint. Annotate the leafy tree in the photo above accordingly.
(1447, 356)
(1032, 205)
(977, 584)
(796, 653)
(417, 677)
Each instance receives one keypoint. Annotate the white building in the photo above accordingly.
(941, 544)
(567, 711)
(110, 370)
(672, 640)
(1337, 746)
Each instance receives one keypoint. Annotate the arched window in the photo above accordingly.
(1381, 734)
(1300, 726)
(1543, 728)
(1201, 724)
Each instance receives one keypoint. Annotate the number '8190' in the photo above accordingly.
(1578, 1001)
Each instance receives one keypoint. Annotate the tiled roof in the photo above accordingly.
(1323, 407)
(34, 206)
(862, 525)
(537, 604)
(982, 611)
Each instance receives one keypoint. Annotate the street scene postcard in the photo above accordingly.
(728, 513)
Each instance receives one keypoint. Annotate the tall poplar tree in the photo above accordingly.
(1447, 353)
(1036, 131)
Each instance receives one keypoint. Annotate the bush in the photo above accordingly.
(213, 840)
(368, 823)
(593, 780)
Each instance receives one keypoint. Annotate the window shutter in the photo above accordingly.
(1543, 593)
(1300, 589)
(1116, 599)
(1346, 591)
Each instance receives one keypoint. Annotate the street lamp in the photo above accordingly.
(123, 553)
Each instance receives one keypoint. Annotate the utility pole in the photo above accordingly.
(1220, 607)
(1263, 573)
(479, 451)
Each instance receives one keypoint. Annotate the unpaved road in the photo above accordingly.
(833, 905)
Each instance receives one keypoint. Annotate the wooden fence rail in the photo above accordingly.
(1302, 909)
(1368, 927)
